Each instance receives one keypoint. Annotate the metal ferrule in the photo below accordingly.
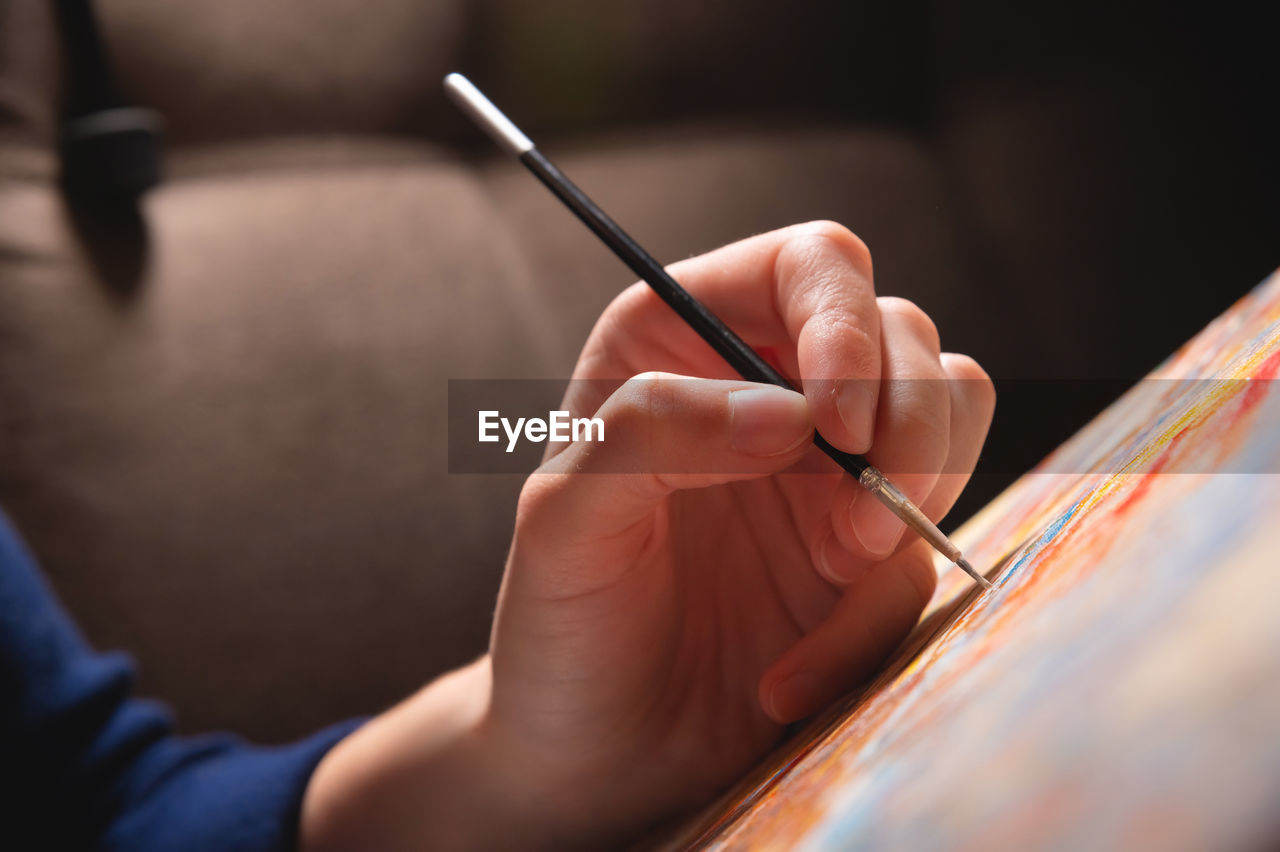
(878, 484)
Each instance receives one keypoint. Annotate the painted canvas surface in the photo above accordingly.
(1120, 687)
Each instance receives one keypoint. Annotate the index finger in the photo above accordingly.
(806, 287)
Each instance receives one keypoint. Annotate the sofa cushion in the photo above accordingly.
(685, 190)
(247, 69)
(223, 431)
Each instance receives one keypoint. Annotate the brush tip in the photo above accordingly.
(968, 568)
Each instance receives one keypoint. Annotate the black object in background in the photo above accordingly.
(110, 150)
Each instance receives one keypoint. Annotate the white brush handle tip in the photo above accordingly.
(482, 111)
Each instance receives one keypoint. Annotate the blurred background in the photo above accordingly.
(222, 404)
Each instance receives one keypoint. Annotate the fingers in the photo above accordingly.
(912, 431)
(661, 433)
(973, 402)
(805, 291)
(873, 373)
(820, 297)
(828, 305)
(845, 548)
(872, 618)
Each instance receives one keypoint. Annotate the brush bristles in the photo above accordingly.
(973, 572)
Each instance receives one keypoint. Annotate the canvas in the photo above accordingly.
(1120, 687)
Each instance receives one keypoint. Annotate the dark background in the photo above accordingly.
(1108, 168)
(223, 409)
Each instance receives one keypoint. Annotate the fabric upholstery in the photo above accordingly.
(222, 415)
(237, 466)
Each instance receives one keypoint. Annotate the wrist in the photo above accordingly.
(420, 775)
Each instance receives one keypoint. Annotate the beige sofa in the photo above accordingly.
(221, 420)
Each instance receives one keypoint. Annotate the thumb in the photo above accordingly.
(664, 433)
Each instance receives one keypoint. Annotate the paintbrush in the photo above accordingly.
(731, 347)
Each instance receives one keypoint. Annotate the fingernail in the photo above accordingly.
(768, 421)
(856, 404)
(796, 696)
(875, 526)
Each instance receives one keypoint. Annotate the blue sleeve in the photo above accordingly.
(91, 767)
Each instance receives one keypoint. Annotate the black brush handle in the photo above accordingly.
(723, 339)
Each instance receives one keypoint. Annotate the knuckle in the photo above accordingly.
(850, 244)
(626, 303)
(913, 317)
(642, 398)
(536, 505)
(860, 349)
(977, 383)
(640, 416)
(921, 410)
(964, 367)
(926, 424)
(636, 294)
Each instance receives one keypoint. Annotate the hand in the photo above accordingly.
(680, 591)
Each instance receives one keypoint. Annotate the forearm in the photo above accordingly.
(90, 766)
(421, 775)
